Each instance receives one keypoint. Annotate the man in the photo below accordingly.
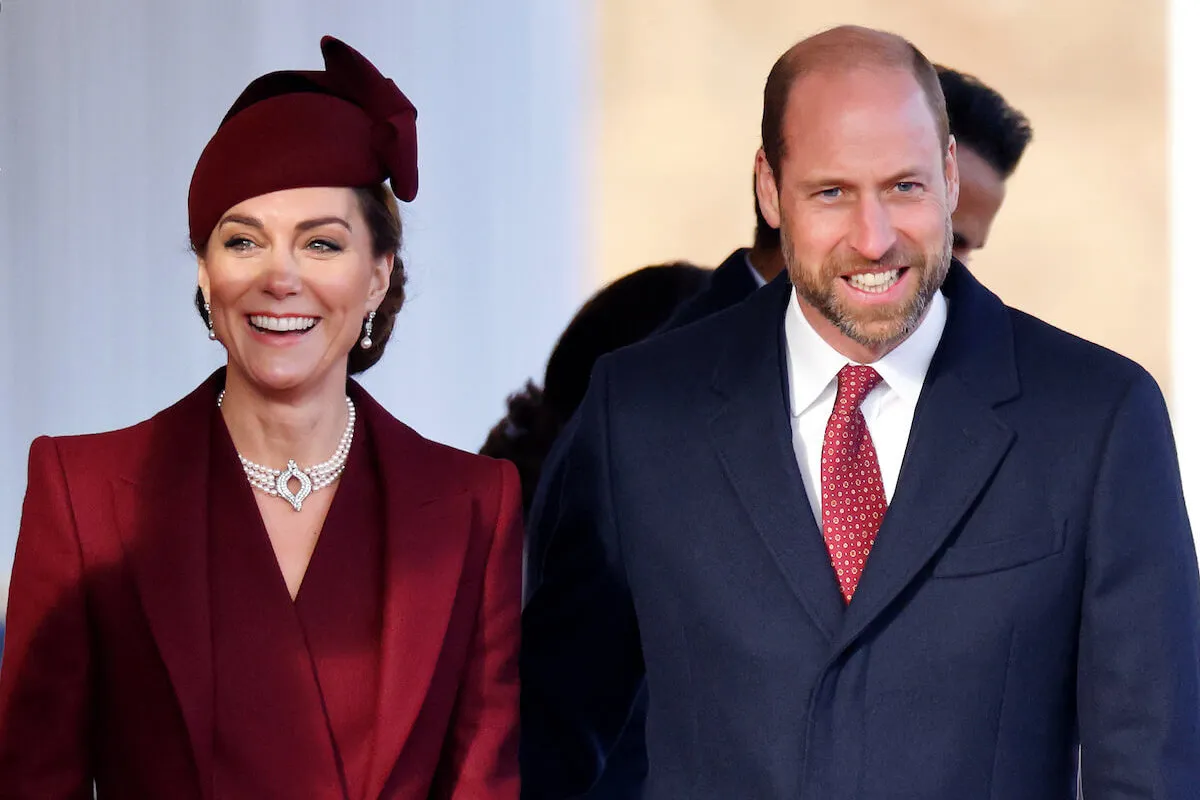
(992, 137)
(729, 516)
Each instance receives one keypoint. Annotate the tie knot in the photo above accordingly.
(855, 382)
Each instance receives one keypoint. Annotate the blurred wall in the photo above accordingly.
(1082, 238)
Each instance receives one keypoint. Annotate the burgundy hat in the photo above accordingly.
(344, 126)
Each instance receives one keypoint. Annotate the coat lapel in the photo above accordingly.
(753, 438)
(162, 520)
(426, 537)
(956, 444)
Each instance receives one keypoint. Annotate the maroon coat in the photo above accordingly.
(108, 670)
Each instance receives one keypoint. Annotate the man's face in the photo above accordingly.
(981, 192)
(863, 203)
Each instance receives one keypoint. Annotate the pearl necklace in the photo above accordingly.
(274, 482)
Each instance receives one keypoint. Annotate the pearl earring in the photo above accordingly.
(366, 342)
(212, 335)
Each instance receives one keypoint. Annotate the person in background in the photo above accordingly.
(871, 532)
(745, 270)
(991, 137)
(273, 588)
(625, 311)
(622, 313)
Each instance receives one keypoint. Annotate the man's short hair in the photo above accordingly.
(844, 48)
(984, 121)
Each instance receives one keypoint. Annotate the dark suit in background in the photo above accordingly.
(625, 768)
(623, 312)
(730, 283)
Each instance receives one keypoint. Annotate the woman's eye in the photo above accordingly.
(324, 246)
(239, 243)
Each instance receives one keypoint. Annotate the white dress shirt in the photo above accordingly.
(813, 366)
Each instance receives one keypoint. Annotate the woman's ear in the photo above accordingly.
(381, 280)
(202, 279)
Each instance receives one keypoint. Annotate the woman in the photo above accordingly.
(194, 611)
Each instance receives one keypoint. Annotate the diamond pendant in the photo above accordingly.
(281, 485)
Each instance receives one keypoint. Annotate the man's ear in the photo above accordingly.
(767, 189)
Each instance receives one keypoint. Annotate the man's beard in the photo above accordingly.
(872, 326)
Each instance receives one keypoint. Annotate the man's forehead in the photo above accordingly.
(859, 111)
(832, 87)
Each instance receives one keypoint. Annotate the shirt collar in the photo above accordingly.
(759, 280)
(813, 364)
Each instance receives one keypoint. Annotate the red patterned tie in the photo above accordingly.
(852, 498)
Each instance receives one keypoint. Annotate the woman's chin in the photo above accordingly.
(284, 377)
